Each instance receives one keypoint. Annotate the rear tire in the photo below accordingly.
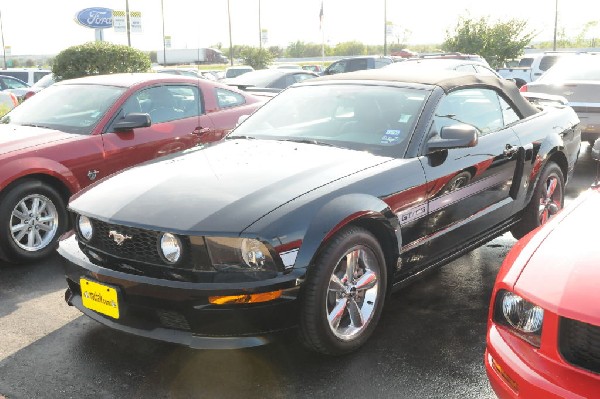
(343, 293)
(32, 218)
(548, 198)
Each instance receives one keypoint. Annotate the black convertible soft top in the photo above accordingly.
(446, 79)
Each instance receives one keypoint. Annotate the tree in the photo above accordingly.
(256, 58)
(350, 48)
(98, 58)
(300, 49)
(496, 42)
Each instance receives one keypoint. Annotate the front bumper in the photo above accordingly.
(518, 370)
(179, 311)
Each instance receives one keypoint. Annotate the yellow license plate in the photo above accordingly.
(99, 298)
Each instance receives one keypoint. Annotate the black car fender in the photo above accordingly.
(365, 210)
(551, 150)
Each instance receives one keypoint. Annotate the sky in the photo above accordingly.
(33, 27)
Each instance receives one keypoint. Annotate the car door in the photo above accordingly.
(469, 191)
(178, 122)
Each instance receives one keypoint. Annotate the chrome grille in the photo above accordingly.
(141, 247)
(580, 344)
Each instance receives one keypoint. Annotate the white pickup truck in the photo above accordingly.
(531, 67)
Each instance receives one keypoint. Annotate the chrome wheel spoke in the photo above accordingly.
(18, 227)
(21, 234)
(551, 187)
(335, 284)
(20, 215)
(337, 313)
(356, 316)
(35, 206)
(31, 239)
(367, 281)
(45, 227)
(47, 220)
(352, 264)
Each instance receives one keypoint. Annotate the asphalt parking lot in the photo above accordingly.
(429, 343)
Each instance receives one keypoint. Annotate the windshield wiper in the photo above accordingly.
(309, 141)
(240, 138)
(34, 125)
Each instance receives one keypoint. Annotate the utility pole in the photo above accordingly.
(127, 19)
(3, 46)
(162, 13)
(555, 24)
(259, 28)
(230, 41)
(384, 27)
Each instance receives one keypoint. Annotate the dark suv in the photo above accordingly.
(357, 64)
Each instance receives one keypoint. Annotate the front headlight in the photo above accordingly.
(84, 225)
(239, 254)
(170, 247)
(523, 317)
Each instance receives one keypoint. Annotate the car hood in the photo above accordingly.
(224, 187)
(16, 138)
(562, 274)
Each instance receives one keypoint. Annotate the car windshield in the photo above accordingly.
(574, 68)
(378, 119)
(75, 108)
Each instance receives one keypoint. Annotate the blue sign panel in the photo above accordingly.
(95, 17)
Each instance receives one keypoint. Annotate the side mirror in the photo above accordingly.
(596, 150)
(455, 136)
(132, 121)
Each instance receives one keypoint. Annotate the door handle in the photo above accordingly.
(199, 131)
(510, 150)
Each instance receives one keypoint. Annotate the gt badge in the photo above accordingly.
(118, 237)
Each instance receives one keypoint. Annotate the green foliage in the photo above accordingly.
(300, 49)
(98, 58)
(256, 58)
(276, 51)
(4, 109)
(496, 42)
(350, 48)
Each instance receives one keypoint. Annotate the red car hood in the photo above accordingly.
(15, 137)
(563, 273)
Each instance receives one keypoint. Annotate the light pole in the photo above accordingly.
(384, 27)
(555, 24)
(259, 28)
(162, 13)
(3, 46)
(230, 42)
(127, 21)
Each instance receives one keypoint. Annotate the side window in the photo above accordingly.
(508, 113)
(337, 67)
(38, 75)
(302, 76)
(227, 98)
(165, 103)
(547, 61)
(479, 108)
(13, 84)
(357, 65)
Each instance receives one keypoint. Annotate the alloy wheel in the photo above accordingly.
(551, 199)
(34, 222)
(352, 293)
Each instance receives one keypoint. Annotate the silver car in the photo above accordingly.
(578, 80)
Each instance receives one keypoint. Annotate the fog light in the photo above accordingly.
(86, 230)
(170, 247)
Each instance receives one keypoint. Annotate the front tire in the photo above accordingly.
(344, 293)
(548, 198)
(32, 218)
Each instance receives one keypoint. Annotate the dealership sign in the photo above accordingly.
(95, 17)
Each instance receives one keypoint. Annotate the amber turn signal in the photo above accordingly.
(250, 298)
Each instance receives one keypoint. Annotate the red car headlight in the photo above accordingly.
(523, 318)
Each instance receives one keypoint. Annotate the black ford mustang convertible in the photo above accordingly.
(315, 208)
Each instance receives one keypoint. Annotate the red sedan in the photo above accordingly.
(78, 131)
(543, 338)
